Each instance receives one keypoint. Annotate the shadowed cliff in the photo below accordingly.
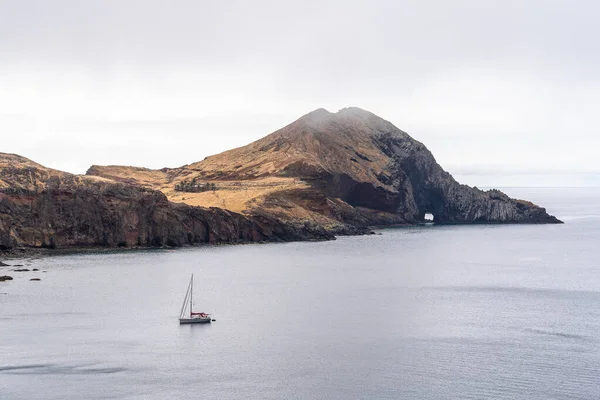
(324, 174)
(367, 162)
(41, 207)
(344, 171)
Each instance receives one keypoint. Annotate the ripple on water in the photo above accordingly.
(59, 369)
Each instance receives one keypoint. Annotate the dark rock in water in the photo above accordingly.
(35, 279)
(21, 270)
(3, 264)
(35, 269)
(17, 265)
(5, 278)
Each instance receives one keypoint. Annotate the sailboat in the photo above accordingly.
(193, 317)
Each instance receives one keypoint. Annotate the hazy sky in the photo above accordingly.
(502, 92)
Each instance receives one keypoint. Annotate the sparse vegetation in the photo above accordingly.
(362, 156)
(194, 186)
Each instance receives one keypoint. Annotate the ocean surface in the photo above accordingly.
(451, 312)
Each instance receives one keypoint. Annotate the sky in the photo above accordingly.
(504, 93)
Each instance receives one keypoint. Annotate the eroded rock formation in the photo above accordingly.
(40, 207)
(344, 170)
(324, 174)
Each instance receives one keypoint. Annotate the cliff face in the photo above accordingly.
(392, 172)
(40, 207)
(344, 171)
(324, 174)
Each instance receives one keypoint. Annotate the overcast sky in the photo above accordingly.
(502, 92)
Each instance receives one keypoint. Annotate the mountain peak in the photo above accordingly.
(314, 119)
(355, 112)
(318, 113)
(321, 114)
(350, 121)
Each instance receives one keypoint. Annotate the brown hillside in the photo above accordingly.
(343, 171)
(43, 207)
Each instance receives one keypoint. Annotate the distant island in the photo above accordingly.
(324, 174)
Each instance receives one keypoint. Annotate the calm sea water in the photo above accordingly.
(463, 312)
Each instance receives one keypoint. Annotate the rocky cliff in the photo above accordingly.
(41, 207)
(344, 171)
(368, 163)
(324, 174)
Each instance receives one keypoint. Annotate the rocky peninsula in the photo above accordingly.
(322, 175)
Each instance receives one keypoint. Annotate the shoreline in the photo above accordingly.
(29, 253)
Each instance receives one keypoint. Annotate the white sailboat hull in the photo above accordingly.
(196, 320)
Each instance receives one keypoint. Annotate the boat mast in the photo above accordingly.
(191, 293)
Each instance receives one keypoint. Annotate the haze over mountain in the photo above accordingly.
(512, 84)
(340, 170)
(323, 174)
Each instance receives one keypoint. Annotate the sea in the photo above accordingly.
(423, 312)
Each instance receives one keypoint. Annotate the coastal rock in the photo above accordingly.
(323, 175)
(6, 278)
(40, 207)
(343, 171)
(390, 172)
